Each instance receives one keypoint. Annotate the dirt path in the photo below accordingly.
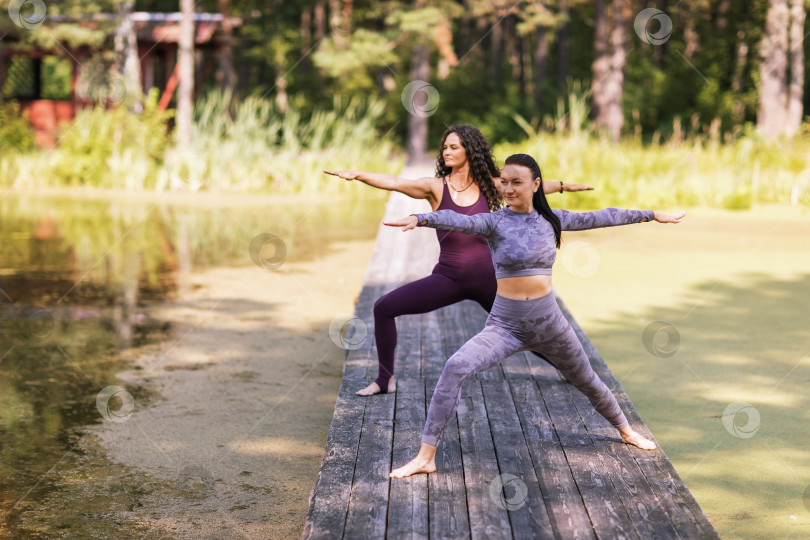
(247, 389)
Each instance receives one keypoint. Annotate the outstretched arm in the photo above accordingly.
(550, 186)
(481, 224)
(611, 217)
(417, 189)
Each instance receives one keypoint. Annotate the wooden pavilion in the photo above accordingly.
(23, 77)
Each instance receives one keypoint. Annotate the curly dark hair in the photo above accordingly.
(482, 164)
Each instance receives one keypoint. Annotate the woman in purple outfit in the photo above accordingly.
(465, 183)
(523, 238)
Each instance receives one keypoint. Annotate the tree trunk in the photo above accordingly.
(741, 58)
(418, 123)
(615, 88)
(3, 75)
(722, 16)
(338, 25)
(796, 96)
(464, 38)
(281, 82)
(540, 63)
(385, 81)
(659, 51)
(127, 61)
(496, 47)
(520, 60)
(601, 63)
(185, 88)
(772, 115)
(320, 19)
(444, 44)
(306, 29)
(563, 48)
(226, 74)
(690, 35)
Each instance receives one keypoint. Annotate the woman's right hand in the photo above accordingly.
(660, 217)
(406, 223)
(346, 175)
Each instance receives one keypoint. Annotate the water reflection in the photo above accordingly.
(76, 281)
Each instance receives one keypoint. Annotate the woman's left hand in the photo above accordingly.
(406, 223)
(668, 218)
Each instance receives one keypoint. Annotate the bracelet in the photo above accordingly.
(561, 187)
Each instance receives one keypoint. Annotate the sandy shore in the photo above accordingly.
(247, 390)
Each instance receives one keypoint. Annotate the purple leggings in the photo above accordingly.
(512, 326)
(425, 295)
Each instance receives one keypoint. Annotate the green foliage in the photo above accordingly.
(675, 174)
(256, 148)
(15, 131)
(237, 145)
(113, 148)
(56, 75)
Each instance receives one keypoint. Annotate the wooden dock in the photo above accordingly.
(526, 457)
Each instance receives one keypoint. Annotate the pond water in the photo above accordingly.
(76, 280)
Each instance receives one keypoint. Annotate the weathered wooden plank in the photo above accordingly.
(368, 505)
(524, 499)
(433, 358)
(329, 499)
(487, 519)
(408, 506)
(454, 329)
(409, 346)
(607, 514)
(447, 493)
(641, 504)
(567, 513)
(686, 514)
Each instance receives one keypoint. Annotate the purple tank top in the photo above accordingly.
(457, 249)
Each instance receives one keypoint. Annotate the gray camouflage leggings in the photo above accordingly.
(513, 326)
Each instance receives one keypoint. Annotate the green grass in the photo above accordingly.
(734, 287)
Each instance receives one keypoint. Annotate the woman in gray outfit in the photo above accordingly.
(523, 239)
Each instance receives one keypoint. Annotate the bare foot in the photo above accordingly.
(374, 388)
(630, 436)
(415, 466)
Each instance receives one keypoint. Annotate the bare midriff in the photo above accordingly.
(524, 287)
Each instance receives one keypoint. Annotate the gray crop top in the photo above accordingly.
(522, 244)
